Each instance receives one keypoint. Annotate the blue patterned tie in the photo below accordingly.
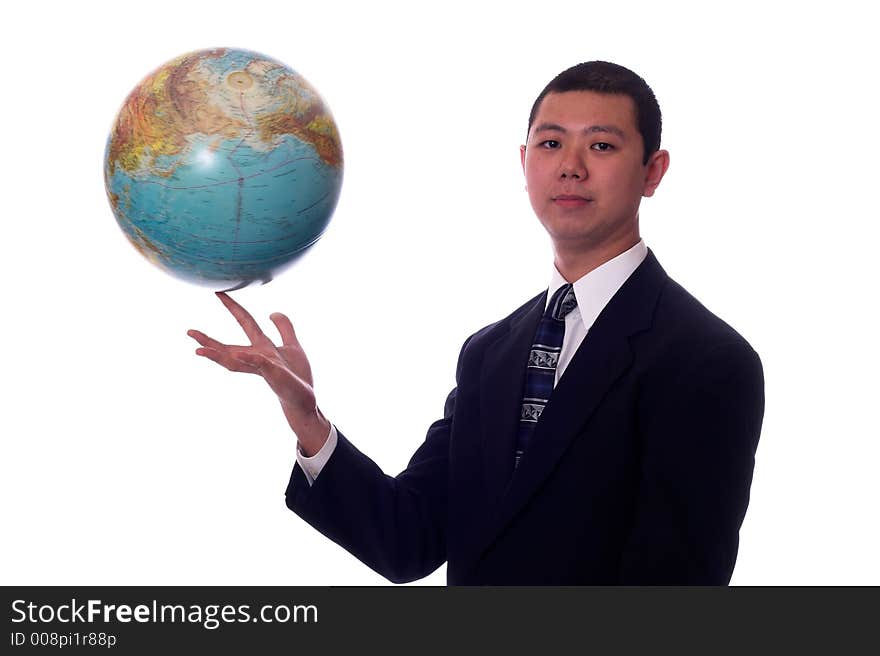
(541, 369)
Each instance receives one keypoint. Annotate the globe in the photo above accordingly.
(223, 167)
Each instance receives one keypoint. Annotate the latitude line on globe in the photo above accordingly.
(226, 182)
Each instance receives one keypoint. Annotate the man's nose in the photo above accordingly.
(573, 167)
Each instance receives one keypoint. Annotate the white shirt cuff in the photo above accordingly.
(312, 466)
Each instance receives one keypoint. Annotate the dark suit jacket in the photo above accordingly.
(638, 471)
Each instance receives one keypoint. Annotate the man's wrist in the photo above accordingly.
(312, 433)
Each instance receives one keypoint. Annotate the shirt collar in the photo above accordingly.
(594, 290)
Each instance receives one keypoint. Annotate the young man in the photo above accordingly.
(603, 433)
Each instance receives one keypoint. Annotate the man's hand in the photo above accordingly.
(285, 368)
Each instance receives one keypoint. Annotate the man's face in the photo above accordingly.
(584, 171)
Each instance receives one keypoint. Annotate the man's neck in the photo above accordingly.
(574, 263)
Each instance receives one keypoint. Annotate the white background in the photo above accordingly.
(126, 459)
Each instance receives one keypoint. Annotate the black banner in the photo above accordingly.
(150, 620)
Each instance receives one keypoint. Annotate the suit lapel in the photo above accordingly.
(602, 358)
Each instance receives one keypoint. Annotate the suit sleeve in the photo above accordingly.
(699, 447)
(394, 525)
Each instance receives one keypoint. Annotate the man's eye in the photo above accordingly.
(602, 146)
(550, 143)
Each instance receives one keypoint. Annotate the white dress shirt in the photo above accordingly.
(592, 291)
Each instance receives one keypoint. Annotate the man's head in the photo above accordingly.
(591, 155)
(605, 77)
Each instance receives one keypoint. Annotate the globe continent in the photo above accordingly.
(223, 166)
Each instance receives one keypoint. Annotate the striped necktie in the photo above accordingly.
(541, 369)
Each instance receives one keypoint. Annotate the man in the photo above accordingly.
(603, 433)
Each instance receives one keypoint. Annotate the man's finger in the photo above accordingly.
(245, 320)
(228, 361)
(285, 329)
(251, 359)
(210, 342)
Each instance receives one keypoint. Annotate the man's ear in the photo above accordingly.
(522, 157)
(655, 170)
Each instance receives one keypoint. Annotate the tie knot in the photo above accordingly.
(562, 303)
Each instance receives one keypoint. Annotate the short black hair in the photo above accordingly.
(605, 77)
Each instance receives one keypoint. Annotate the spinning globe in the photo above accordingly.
(223, 166)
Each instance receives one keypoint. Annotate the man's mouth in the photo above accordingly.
(571, 200)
